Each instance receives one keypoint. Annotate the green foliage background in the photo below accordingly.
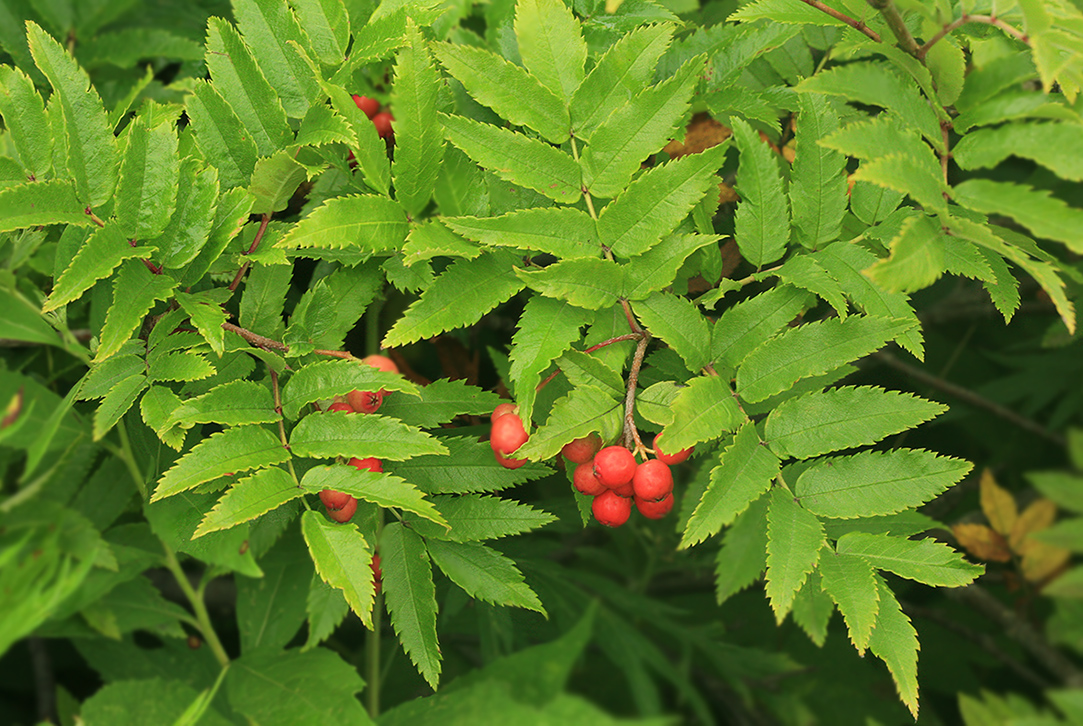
(201, 232)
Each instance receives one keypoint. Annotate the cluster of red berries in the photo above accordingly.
(380, 119)
(340, 505)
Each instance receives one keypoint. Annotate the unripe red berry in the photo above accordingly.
(584, 480)
(343, 515)
(365, 401)
(503, 410)
(611, 509)
(377, 574)
(614, 466)
(340, 406)
(369, 464)
(671, 458)
(582, 450)
(507, 462)
(382, 121)
(369, 105)
(507, 434)
(333, 499)
(652, 480)
(655, 510)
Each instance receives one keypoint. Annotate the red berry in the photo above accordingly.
(377, 574)
(611, 509)
(652, 480)
(671, 458)
(343, 515)
(369, 105)
(340, 406)
(585, 481)
(655, 510)
(365, 401)
(334, 500)
(507, 462)
(369, 464)
(503, 409)
(507, 434)
(625, 490)
(382, 121)
(582, 450)
(381, 363)
(614, 466)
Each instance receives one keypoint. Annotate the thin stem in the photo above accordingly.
(858, 25)
(126, 455)
(336, 353)
(94, 218)
(256, 339)
(372, 326)
(591, 349)
(206, 629)
(636, 328)
(945, 127)
(631, 436)
(955, 24)
(277, 392)
(894, 20)
(251, 248)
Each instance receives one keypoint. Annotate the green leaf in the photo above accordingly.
(762, 224)
(233, 450)
(207, 315)
(583, 410)
(249, 498)
(271, 609)
(322, 125)
(233, 403)
(24, 118)
(484, 574)
(190, 226)
(242, 84)
(551, 44)
(810, 350)
(104, 250)
(625, 69)
(326, 24)
(40, 203)
(923, 560)
(366, 222)
(124, 703)
(439, 403)
(507, 89)
(679, 323)
(378, 488)
(116, 403)
(782, 11)
(432, 239)
(818, 182)
(590, 283)
(636, 130)
(473, 518)
(411, 598)
(21, 321)
(743, 556)
(850, 582)
(459, 297)
(657, 268)
(327, 608)
(918, 176)
(1056, 146)
(91, 149)
(703, 410)
(336, 433)
(419, 140)
(277, 689)
(745, 471)
(1045, 215)
(795, 538)
(329, 378)
(223, 139)
(547, 328)
(146, 194)
(843, 418)
(876, 482)
(517, 158)
(469, 467)
(269, 26)
(845, 262)
(748, 324)
(565, 232)
(656, 202)
(135, 289)
(274, 181)
(812, 609)
(342, 556)
(895, 642)
(918, 256)
(807, 273)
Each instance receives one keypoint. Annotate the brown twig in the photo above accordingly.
(858, 25)
(631, 436)
(251, 248)
(969, 397)
(256, 339)
(955, 24)
(591, 349)
(894, 20)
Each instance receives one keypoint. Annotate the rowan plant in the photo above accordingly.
(274, 271)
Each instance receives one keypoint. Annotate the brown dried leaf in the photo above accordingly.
(702, 133)
(726, 193)
(998, 504)
(982, 542)
(1036, 517)
(1041, 560)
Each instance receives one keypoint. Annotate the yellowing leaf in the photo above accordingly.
(982, 542)
(998, 504)
(1042, 560)
(1037, 516)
